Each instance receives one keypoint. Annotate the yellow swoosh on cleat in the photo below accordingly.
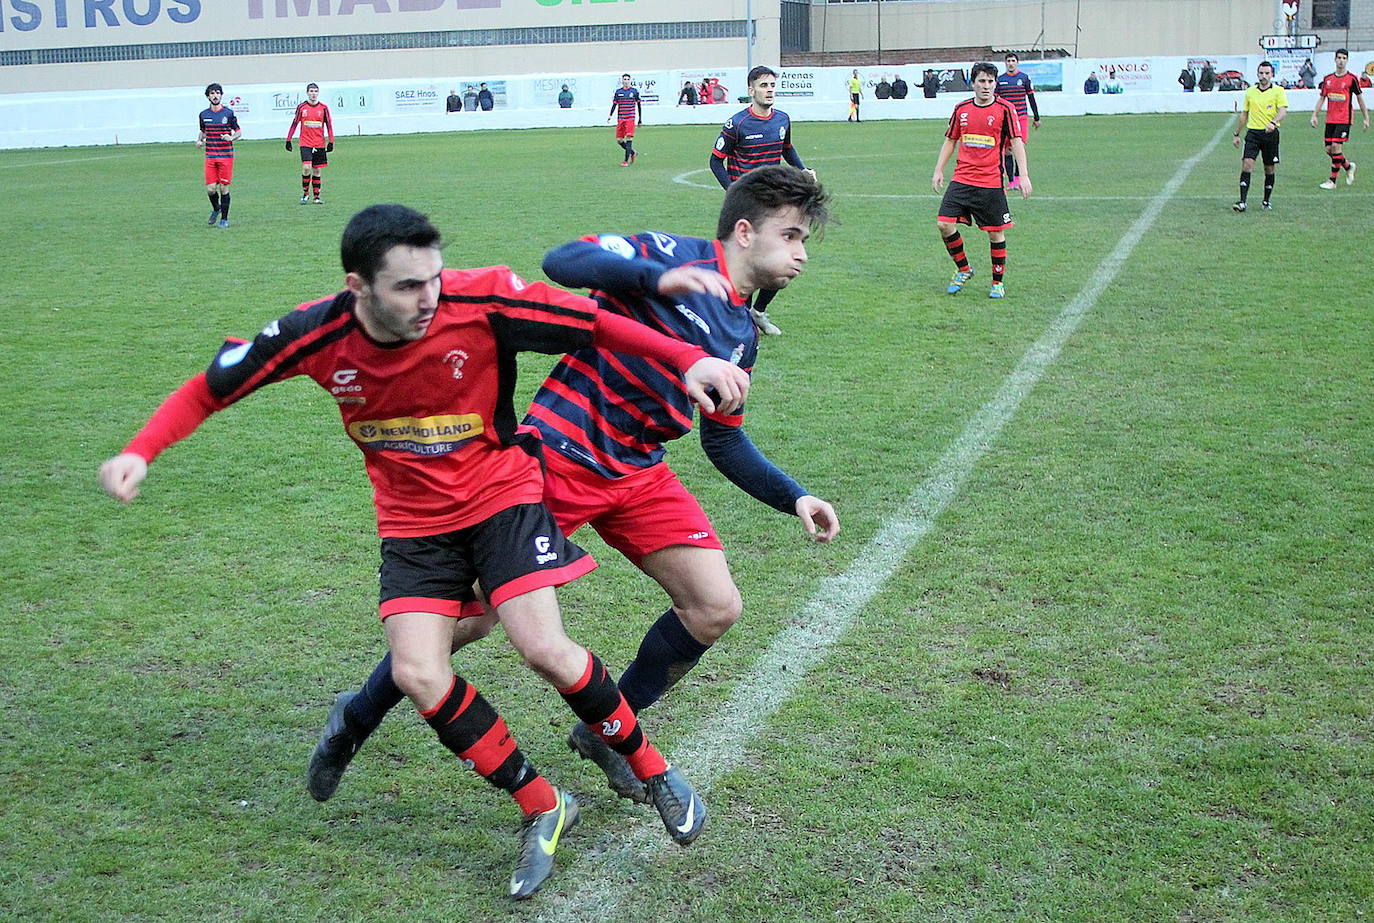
(549, 845)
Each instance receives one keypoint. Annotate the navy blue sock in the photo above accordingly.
(666, 654)
(214, 201)
(224, 205)
(379, 695)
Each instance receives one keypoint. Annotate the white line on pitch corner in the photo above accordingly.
(823, 619)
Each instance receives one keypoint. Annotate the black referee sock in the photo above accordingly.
(1268, 185)
(214, 201)
(224, 206)
(667, 653)
(1244, 185)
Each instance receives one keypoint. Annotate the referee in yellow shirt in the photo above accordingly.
(1265, 107)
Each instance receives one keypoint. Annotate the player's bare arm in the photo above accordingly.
(1278, 118)
(818, 518)
(729, 381)
(937, 182)
(121, 475)
(683, 280)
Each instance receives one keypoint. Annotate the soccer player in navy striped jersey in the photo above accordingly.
(1014, 85)
(604, 417)
(417, 357)
(218, 130)
(755, 137)
(626, 108)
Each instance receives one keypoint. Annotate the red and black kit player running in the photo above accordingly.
(421, 362)
(317, 141)
(218, 129)
(605, 419)
(756, 136)
(983, 128)
(1339, 90)
(626, 108)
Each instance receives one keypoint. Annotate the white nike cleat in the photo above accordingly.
(1350, 175)
(1329, 184)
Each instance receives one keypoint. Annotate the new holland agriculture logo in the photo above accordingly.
(436, 435)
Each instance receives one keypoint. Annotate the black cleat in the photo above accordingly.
(539, 836)
(334, 751)
(619, 776)
(1266, 206)
(682, 810)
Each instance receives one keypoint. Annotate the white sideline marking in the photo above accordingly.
(819, 622)
(52, 163)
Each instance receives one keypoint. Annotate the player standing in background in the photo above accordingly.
(313, 118)
(626, 108)
(983, 127)
(1336, 91)
(856, 95)
(1264, 109)
(219, 129)
(756, 136)
(417, 358)
(1015, 87)
(604, 418)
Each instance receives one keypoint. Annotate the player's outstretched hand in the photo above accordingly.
(728, 380)
(121, 475)
(687, 280)
(1025, 185)
(937, 182)
(288, 144)
(818, 518)
(1314, 120)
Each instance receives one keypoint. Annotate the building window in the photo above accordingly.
(1331, 14)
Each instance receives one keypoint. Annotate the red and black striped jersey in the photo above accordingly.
(1339, 93)
(748, 141)
(983, 134)
(314, 122)
(218, 126)
(626, 102)
(1016, 89)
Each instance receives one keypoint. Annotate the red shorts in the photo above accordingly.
(219, 171)
(1024, 122)
(636, 515)
(624, 128)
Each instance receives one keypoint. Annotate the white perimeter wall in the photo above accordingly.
(530, 101)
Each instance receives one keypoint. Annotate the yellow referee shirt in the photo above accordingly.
(1262, 105)
(855, 85)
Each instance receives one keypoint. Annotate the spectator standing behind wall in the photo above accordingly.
(899, 87)
(883, 90)
(1091, 86)
(565, 98)
(1208, 80)
(485, 100)
(688, 95)
(930, 84)
(1187, 79)
(470, 98)
(454, 103)
(1307, 75)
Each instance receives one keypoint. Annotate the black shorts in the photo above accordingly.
(1337, 132)
(512, 552)
(1259, 142)
(315, 156)
(981, 205)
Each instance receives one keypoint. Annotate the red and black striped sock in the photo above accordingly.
(598, 703)
(1338, 162)
(955, 246)
(305, 184)
(999, 259)
(315, 185)
(468, 725)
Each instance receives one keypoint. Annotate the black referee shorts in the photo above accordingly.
(1261, 143)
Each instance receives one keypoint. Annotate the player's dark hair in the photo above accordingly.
(1268, 64)
(982, 67)
(372, 232)
(1343, 51)
(1011, 56)
(761, 71)
(312, 86)
(214, 88)
(758, 193)
(623, 76)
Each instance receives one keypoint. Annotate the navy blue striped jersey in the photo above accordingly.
(1016, 89)
(626, 103)
(748, 141)
(611, 412)
(218, 126)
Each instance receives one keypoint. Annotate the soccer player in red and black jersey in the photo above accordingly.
(313, 118)
(1338, 91)
(983, 128)
(626, 107)
(218, 130)
(420, 360)
(605, 418)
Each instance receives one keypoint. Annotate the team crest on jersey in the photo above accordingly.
(455, 359)
(782, 132)
(737, 354)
